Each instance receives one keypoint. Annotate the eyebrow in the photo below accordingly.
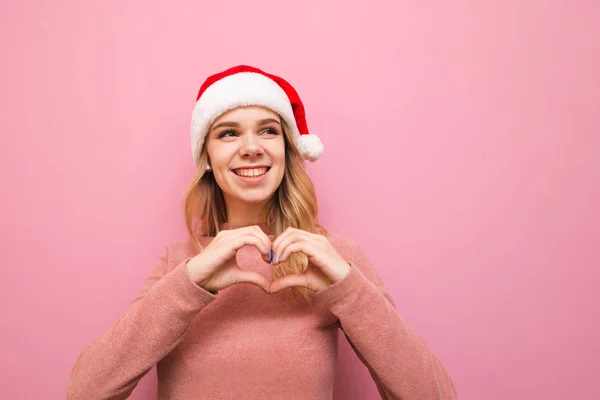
(235, 124)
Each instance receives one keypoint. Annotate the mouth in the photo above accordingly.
(251, 175)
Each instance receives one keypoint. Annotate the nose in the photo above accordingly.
(250, 145)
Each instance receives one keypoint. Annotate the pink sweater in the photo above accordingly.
(246, 344)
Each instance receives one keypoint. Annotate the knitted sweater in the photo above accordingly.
(243, 343)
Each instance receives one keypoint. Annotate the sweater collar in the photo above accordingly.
(229, 225)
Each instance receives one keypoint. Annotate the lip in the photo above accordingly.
(251, 166)
(253, 180)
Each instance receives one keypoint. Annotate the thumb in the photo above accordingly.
(288, 281)
(254, 278)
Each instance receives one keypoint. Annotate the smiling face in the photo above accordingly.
(246, 152)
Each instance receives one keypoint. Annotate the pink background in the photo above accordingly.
(461, 144)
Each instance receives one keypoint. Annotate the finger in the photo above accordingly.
(289, 281)
(306, 244)
(294, 247)
(282, 237)
(250, 237)
(256, 231)
(254, 278)
(253, 230)
(282, 242)
(250, 240)
(267, 243)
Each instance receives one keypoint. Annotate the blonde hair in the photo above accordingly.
(294, 204)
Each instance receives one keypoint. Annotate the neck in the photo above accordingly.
(243, 214)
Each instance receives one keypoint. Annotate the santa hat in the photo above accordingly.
(245, 86)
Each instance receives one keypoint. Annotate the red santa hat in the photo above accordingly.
(245, 86)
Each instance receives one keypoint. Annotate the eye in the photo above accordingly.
(271, 131)
(226, 133)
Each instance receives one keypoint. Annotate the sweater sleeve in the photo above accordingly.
(152, 325)
(397, 358)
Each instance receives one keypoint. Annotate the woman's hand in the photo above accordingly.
(216, 268)
(325, 265)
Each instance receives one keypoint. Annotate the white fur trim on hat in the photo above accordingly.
(238, 90)
(310, 146)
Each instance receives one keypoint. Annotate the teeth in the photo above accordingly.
(251, 172)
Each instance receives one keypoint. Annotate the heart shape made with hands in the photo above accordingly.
(312, 278)
(325, 265)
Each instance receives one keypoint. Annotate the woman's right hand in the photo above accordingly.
(216, 268)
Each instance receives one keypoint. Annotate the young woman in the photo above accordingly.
(250, 305)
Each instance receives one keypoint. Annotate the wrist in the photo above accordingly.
(200, 281)
(207, 287)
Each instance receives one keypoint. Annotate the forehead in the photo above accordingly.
(247, 114)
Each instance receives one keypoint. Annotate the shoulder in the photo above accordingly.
(352, 252)
(179, 250)
(344, 245)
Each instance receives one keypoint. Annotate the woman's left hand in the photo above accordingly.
(325, 265)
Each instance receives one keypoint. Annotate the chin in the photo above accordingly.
(251, 195)
(255, 198)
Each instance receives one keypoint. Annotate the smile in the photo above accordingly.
(251, 175)
(251, 172)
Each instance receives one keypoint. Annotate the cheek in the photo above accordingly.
(278, 150)
(218, 155)
(279, 159)
(280, 156)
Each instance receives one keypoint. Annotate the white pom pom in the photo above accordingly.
(310, 147)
